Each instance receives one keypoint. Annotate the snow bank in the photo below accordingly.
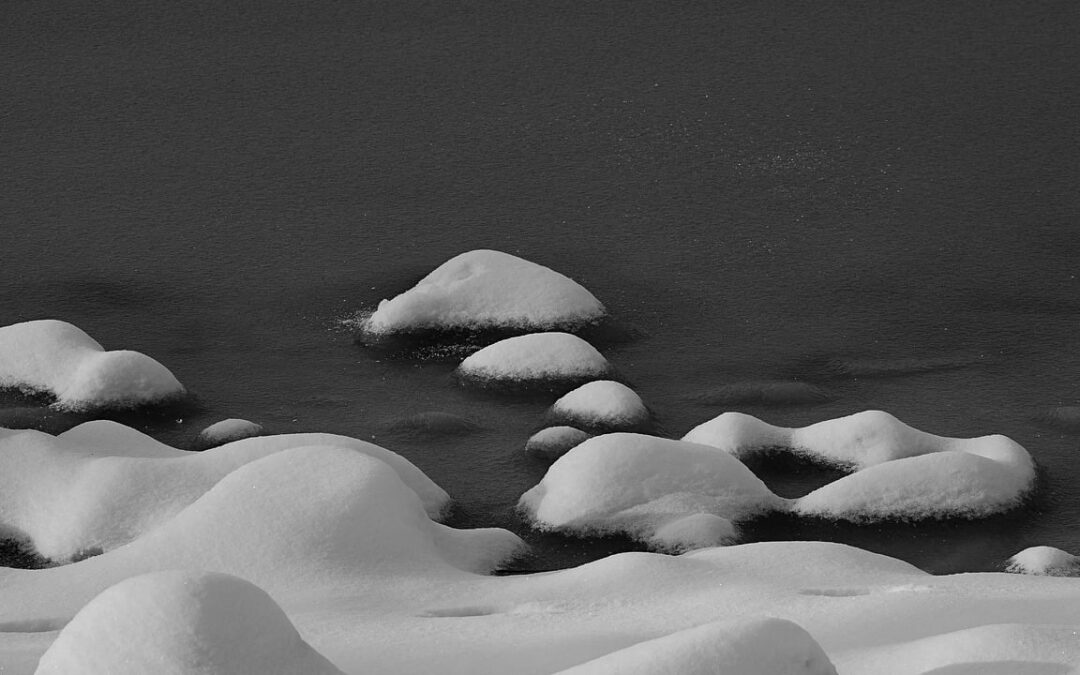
(227, 431)
(1045, 560)
(901, 472)
(602, 403)
(636, 484)
(58, 358)
(182, 623)
(488, 289)
(535, 357)
(755, 647)
(554, 442)
(101, 484)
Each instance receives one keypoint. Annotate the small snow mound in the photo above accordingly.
(554, 442)
(635, 484)
(1044, 561)
(743, 647)
(180, 623)
(227, 431)
(698, 530)
(535, 357)
(487, 289)
(59, 358)
(602, 403)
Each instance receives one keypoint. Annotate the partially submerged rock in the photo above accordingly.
(226, 431)
(554, 442)
(535, 358)
(602, 403)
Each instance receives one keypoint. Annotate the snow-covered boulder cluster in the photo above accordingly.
(58, 358)
(486, 289)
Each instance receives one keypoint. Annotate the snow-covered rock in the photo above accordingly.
(535, 357)
(102, 484)
(60, 359)
(488, 289)
(554, 442)
(182, 623)
(227, 431)
(751, 647)
(602, 403)
(636, 485)
(1044, 560)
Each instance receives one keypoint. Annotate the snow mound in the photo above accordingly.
(535, 357)
(636, 485)
(59, 358)
(602, 403)
(740, 647)
(901, 472)
(182, 623)
(554, 442)
(1045, 561)
(227, 431)
(101, 484)
(488, 289)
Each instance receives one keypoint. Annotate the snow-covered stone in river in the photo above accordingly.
(182, 623)
(554, 442)
(742, 647)
(227, 431)
(602, 403)
(534, 357)
(60, 359)
(488, 289)
(1045, 561)
(636, 485)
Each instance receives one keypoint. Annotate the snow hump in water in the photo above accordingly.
(535, 357)
(602, 403)
(554, 442)
(488, 289)
(1044, 561)
(56, 357)
(182, 623)
(227, 431)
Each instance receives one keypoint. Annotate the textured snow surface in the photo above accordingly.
(537, 356)
(102, 484)
(602, 402)
(488, 289)
(182, 623)
(60, 359)
(1045, 560)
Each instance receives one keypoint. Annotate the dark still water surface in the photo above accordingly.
(880, 200)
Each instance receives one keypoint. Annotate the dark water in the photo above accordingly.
(881, 201)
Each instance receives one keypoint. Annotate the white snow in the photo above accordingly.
(227, 430)
(554, 442)
(182, 623)
(488, 289)
(537, 356)
(636, 484)
(1045, 560)
(56, 357)
(602, 402)
(102, 484)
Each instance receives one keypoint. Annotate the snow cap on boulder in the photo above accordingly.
(602, 403)
(535, 357)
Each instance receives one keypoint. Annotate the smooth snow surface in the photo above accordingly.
(636, 484)
(602, 403)
(1045, 560)
(755, 647)
(56, 357)
(488, 289)
(554, 442)
(901, 472)
(102, 484)
(226, 431)
(182, 623)
(537, 356)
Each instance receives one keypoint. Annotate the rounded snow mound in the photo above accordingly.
(602, 403)
(642, 486)
(59, 358)
(488, 289)
(1044, 561)
(227, 431)
(535, 357)
(554, 442)
(900, 472)
(182, 623)
(744, 647)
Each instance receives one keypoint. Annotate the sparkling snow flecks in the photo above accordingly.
(59, 358)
